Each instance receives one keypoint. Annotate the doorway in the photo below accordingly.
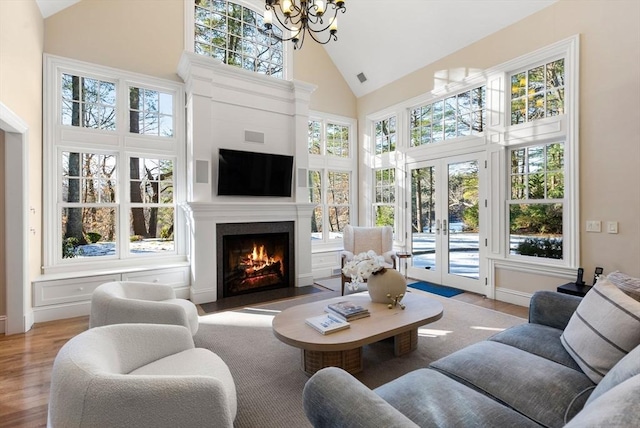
(445, 221)
(16, 256)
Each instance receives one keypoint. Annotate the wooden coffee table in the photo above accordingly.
(344, 348)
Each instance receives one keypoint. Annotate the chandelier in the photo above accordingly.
(305, 16)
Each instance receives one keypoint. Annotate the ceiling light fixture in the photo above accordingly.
(305, 16)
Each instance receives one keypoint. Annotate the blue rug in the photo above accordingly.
(440, 290)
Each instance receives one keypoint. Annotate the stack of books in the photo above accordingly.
(347, 311)
(327, 323)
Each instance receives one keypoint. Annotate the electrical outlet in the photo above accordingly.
(612, 227)
(593, 226)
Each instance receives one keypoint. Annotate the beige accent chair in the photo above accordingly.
(358, 240)
(140, 302)
(139, 375)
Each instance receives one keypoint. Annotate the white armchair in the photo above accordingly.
(358, 240)
(139, 375)
(140, 302)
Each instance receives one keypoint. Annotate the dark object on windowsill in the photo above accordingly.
(574, 289)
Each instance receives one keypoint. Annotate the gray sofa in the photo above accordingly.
(521, 377)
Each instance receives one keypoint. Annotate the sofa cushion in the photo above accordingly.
(604, 328)
(626, 283)
(626, 368)
(539, 340)
(429, 398)
(617, 408)
(534, 386)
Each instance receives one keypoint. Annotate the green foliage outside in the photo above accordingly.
(550, 248)
(93, 237)
(70, 248)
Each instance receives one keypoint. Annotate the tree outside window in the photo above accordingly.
(456, 116)
(386, 137)
(92, 199)
(385, 197)
(538, 92)
(537, 201)
(236, 35)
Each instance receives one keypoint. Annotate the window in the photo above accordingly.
(538, 92)
(330, 176)
(88, 103)
(235, 35)
(537, 201)
(385, 197)
(456, 116)
(110, 165)
(150, 112)
(385, 135)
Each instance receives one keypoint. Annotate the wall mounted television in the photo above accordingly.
(243, 173)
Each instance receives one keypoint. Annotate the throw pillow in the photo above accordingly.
(626, 283)
(604, 328)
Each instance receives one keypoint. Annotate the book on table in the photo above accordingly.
(327, 323)
(347, 310)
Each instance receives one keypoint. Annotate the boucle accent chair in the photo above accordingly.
(139, 375)
(140, 302)
(363, 239)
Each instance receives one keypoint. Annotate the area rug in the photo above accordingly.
(440, 290)
(268, 374)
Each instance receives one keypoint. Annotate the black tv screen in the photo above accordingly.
(243, 173)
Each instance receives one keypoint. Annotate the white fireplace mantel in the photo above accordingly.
(203, 218)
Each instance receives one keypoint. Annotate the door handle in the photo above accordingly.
(444, 227)
(437, 227)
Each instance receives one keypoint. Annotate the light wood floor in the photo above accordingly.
(26, 361)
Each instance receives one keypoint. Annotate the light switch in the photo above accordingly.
(593, 225)
(612, 227)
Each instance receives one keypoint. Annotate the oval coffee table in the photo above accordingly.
(344, 348)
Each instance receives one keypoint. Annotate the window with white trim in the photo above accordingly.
(385, 135)
(384, 205)
(455, 116)
(235, 34)
(538, 92)
(536, 200)
(111, 160)
(330, 179)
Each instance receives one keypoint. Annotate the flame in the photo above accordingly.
(257, 260)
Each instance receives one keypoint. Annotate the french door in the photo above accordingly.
(445, 222)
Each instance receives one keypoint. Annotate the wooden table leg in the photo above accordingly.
(350, 361)
(405, 342)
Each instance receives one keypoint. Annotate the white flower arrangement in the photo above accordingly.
(361, 267)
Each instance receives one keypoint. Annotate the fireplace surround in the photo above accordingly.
(205, 219)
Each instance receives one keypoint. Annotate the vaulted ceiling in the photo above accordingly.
(386, 40)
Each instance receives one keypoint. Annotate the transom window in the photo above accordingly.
(537, 200)
(386, 138)
(538, 92)
(235, 35)
(456, 116)
(150, 112)
(88, 103)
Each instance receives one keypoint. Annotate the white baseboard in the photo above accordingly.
(513, 296)
(58, 312)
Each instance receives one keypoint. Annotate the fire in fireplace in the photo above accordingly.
(259, 260)
(254, 261)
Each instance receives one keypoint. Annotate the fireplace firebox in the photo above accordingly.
(254, 257)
